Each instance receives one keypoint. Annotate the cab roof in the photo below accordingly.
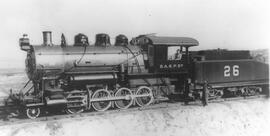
(172, 41)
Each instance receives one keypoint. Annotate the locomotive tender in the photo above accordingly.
(140, 72)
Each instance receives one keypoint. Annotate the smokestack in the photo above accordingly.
(47, 38)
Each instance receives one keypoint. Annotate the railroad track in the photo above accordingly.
(162, 105)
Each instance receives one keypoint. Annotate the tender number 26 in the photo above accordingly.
(227, 70)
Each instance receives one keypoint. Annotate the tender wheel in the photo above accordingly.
(258, 90)
(124, 103)
(215, 93)
(246, 91)
(101, 105)
(144, 100)
(32, 112)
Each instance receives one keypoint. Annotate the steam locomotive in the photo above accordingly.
(143, 71)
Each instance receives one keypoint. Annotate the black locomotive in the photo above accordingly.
(140, 72)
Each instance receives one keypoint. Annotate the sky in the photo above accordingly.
(228, 24)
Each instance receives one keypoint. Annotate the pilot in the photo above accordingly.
(178, 54)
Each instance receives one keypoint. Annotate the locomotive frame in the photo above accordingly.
(100, 76)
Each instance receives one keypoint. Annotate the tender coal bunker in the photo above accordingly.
(223, 54)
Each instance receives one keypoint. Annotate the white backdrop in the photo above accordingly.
(231, 24)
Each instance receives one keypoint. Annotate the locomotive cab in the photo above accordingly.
(168, 54)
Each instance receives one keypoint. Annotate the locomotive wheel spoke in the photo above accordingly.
(75, 110)
(125, 103)
(77, 103)
(32, 112)
(101, 105)
(144, 101)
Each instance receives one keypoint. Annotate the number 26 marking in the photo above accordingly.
(227, 70)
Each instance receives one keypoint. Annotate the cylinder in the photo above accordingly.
(47, 38)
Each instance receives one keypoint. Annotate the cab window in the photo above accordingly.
(175, 53)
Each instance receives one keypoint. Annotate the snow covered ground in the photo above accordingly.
(11, 79)
(237, 118)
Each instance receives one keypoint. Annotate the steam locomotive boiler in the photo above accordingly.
(79, 77)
